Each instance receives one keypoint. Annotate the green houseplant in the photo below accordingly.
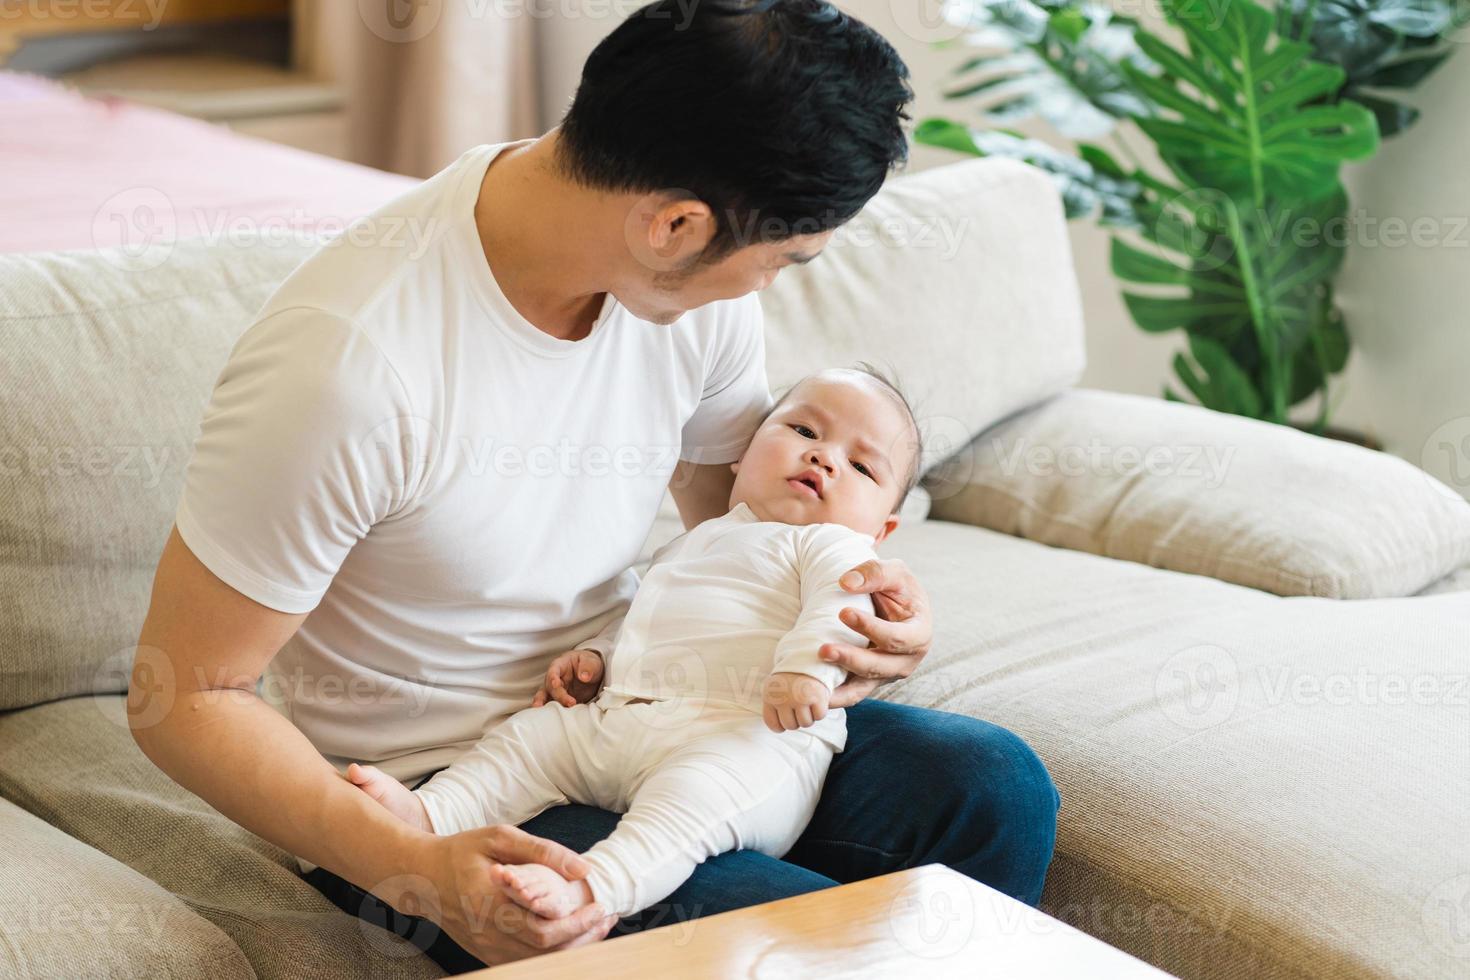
(1252, 113)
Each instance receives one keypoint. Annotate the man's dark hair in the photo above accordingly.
(784, 116)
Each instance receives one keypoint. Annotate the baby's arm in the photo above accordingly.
(575, 677)
(801, 683)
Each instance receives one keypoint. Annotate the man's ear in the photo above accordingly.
(889, 526)
(670, 230)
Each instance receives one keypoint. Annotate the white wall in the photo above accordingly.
(1408, 306)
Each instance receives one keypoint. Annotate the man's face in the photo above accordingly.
(836, 451)
(664, 296)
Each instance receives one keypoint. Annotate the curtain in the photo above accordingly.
(424, 80)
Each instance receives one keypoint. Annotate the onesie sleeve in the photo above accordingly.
(825, 552)
(307, 441)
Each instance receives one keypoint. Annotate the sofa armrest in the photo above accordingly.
(1191, 490)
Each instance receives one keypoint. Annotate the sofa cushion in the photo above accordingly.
(966, 290)
(1184, 488)
(111, 372)
(958, 281)
(73, 764)
(1252, 786)
(67, 910)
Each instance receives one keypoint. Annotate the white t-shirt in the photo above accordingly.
(453, 495)
(727, 604)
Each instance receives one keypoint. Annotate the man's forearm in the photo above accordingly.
(701, 491)
(255, 767)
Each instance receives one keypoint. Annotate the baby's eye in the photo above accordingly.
(863, 469)
(803, 430)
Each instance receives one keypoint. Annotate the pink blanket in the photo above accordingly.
(78, 172)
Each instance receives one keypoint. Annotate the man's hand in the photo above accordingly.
(900, 634)
(574, 677)
(793, 701)
(461, 895)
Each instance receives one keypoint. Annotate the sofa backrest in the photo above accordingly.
(958, 281)
(108, 359)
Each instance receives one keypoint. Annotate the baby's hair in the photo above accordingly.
(890, 386)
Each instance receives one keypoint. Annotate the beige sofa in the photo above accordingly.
(1207, 627)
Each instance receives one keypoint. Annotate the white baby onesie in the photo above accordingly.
(676, 740)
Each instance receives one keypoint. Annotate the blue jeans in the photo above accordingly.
(914, 786)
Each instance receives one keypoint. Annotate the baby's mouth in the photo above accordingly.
(807, 482)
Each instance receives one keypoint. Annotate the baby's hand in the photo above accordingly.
(574, 677)
(794, 701)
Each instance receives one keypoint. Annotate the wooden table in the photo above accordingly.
(927, 923)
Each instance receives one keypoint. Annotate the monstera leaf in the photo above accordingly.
(1242, 98)
(1250, 287)
(1062, 64)
(1091, 185)
(1379, 44)
(1254, 112)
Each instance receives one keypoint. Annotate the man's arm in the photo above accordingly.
(193, 711)
(201, 652)
(701, 491)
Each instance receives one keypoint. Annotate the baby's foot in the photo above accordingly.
(539, 889)
(395, 797)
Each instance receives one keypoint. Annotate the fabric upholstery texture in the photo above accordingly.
(1252, 786)
(1184, 488)
(74, 764)
(116, 366)
(68, 911)
(958, 282)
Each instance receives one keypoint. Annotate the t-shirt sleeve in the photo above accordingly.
(826, 552)
(308, 440)
(736, 395)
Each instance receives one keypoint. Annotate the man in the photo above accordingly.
(428, 464)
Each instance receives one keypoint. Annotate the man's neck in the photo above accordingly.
(523, 214)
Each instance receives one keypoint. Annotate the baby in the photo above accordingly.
(712, 732)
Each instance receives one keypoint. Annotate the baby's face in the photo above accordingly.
(836, 451)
